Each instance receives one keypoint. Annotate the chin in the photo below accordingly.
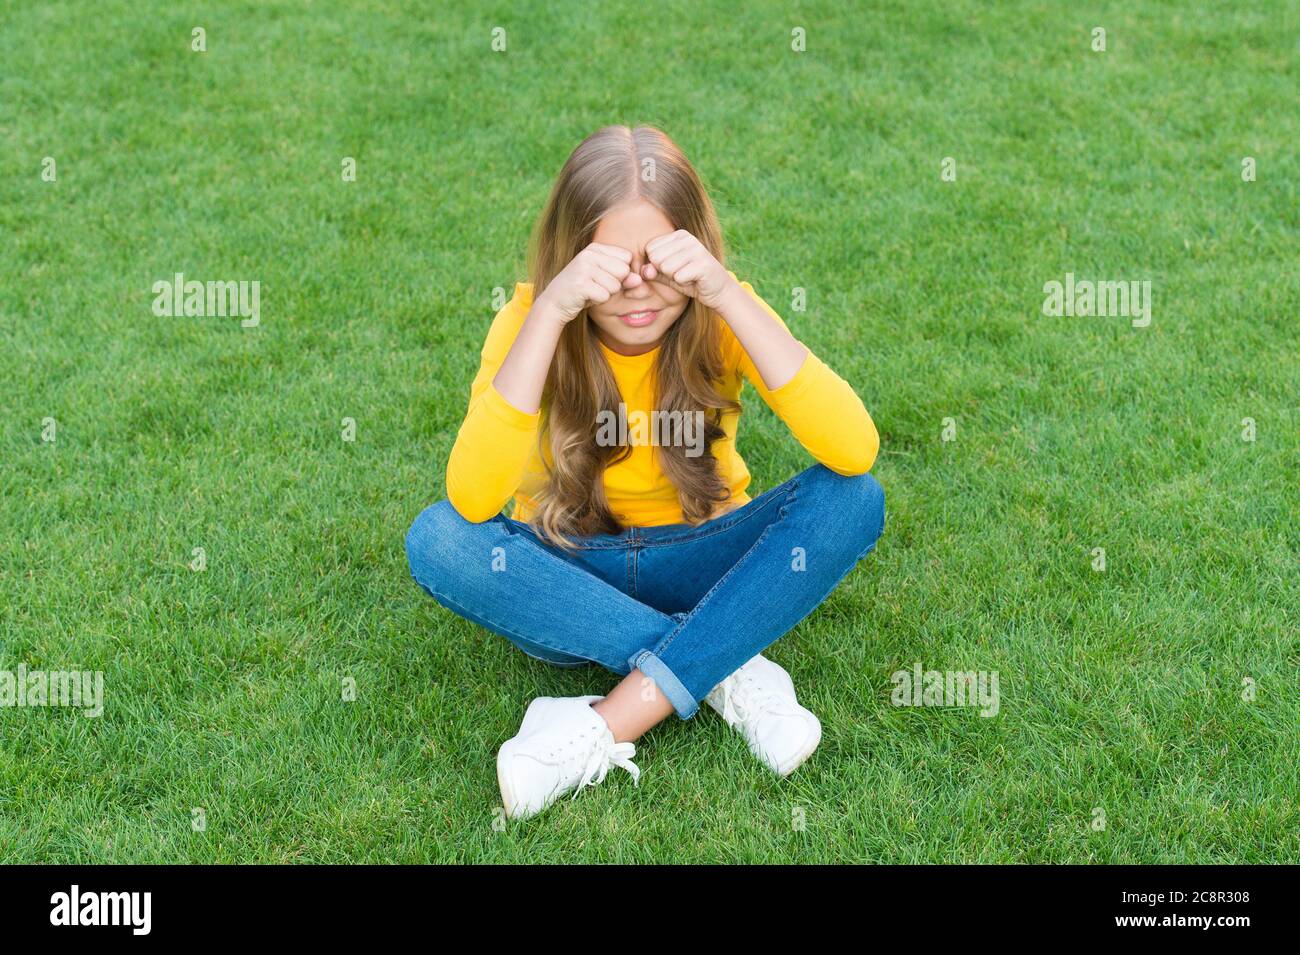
(641, 336)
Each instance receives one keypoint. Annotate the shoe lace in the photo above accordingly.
(744, 700)
(606, 754)
(597, 757)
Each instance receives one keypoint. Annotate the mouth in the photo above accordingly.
(639, 319)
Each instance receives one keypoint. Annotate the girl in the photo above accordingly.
(636, 547)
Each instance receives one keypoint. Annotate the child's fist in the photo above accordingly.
(681, 261)
(591, 278)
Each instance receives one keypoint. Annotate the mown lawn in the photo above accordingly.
(1121, 690)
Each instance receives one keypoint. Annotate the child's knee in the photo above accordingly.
(854, 502)
(869, 505)
(435, 542)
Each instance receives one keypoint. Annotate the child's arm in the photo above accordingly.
(818, 406)
(497, 438)
(592, 277)
(682, 261)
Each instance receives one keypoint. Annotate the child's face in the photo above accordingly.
(634, 320)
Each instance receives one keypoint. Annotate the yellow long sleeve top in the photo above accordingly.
(497, 456)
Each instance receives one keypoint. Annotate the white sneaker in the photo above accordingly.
(759, 701)
(562, 745)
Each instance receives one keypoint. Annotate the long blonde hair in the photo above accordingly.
(602, 172)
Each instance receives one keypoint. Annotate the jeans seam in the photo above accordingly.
(791, 493)
(451, 605)
(834, 586)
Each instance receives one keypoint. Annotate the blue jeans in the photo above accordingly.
(686, 605)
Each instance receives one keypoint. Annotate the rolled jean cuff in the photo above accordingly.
(681, 699)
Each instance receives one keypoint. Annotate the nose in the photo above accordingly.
(633, 280)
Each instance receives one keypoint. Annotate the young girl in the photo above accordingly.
(636, 547)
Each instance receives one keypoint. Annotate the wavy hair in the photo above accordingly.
(602, 172)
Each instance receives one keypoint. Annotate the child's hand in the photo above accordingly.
(592, 278)
(681, 261)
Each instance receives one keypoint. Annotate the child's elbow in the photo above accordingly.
(475, 508)
(859, 452)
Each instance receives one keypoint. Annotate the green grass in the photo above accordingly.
(1120, 690)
